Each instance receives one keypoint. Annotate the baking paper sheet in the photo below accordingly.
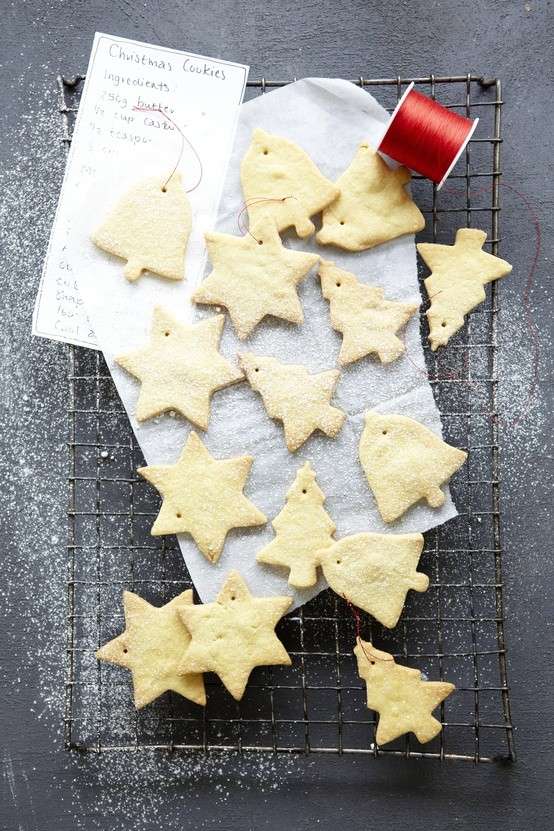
(328, 118)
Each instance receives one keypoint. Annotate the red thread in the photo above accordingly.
(183, 140)
(425, 136)
(255, 201)
(371, 657)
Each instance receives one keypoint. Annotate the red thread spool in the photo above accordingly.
(425, 136)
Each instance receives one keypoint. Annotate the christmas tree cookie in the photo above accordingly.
(254, 276)
(280, 181)
(405, 462)
(375, 572)
(404, 701)
(455, 285)
(234, 634)
(302, 528)
(368, 323)
(298, 398)
(149, 227)
(180, 368)
(203, 497)
(373, 206)
(152, 648)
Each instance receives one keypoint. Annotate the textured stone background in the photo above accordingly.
(41, 787)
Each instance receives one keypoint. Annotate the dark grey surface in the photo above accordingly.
(41, 786)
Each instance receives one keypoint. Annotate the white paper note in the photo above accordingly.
(328, 118)
(201, 95)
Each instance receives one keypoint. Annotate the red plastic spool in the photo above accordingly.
(425, 136)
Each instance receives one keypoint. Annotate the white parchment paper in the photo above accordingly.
(328, 118)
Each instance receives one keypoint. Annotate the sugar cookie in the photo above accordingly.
(152, 648)
(254, 276)
(149, 227)
(302, 528)
(180, 368)
(373, 206)
(368, 323)
(203, 497)
(280, 180)
(235, 634)
(405, 462)
(399, 694)
(375, 572)
(455, 285)
(298, 398)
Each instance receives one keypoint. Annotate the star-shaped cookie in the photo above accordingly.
(152, 648)
(298, 398)
(254, 276)
(402, 698)
(368, 323)
(235, 634)
(455, 285)
(180, 368)
(203, 497)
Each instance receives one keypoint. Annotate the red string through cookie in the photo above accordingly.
(184, 140)
(371, 657)
(425, 136)
(255, 201)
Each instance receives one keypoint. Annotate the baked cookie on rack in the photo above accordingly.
(368, 323)
(180, 368)
(455, 286)
(280, 181)
(152, 648)
(375, 572)
(203, 497)
(302, 528)
(296, 397)
(404, 701)
(254, 276)
(373, 205)
(234, 634)
(405, 462)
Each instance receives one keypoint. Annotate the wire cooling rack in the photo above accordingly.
(454, 631)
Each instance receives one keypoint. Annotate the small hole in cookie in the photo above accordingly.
(164, 189)
(178, 516)
(233, 597)
(384, 432)
(342, 222)
(443, 324)
(256, 369)
(372, 663)
(260, 242)
(266, 151)
(339, 562)
(166, 334)
(125, 651)
(304, 490)
(337, 284)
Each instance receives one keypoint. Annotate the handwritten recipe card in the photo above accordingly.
(200, 95)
